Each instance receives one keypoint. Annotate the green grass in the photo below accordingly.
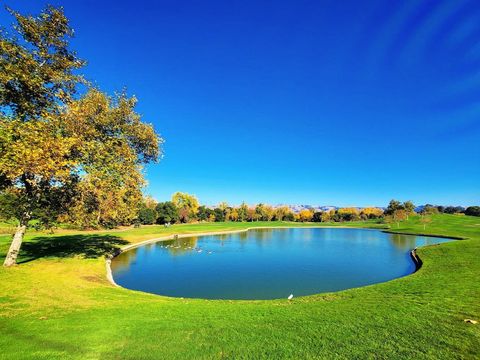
(7, 227)
(57, 304)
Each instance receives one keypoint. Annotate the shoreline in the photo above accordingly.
(108, 259)
(426, 235)
(416, 260)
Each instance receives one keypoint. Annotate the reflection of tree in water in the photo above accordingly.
(182, 246)
(257, 235)
(243, 236)
(123, 261)
(284, 235)
(176, 247)
(262, 234)
(308, 234)
(223, 237)
(403, 242)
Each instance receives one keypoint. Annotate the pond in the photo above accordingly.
(268, 264)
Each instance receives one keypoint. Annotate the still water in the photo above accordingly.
(268, 264)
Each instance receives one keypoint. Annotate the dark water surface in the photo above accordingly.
(268, 264)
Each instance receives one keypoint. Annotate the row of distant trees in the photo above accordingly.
(185, 208)
(172, 212)
(397, 211)
(435, 209)
(408, 207)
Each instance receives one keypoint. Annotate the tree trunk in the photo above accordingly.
(12, 254)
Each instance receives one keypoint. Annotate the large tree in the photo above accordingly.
(473, 211)
(187, 206)
(64, 154)
(167, 212)
(393, 206)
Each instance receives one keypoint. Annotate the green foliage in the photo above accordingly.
(473, 211)
(392, 206)
(205, 214)
(64, 157)
(219, 214)
(37, 81)
(262, 212)
(37, 73)
(147, 216)
(396, 205)
(290, 216)
(429, 209)
(317, 216)
(187, 206)
(202, 213)
(167, 212)
(243, 212)
(409, 207)
(454, 210)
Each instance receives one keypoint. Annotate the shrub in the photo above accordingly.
(473, 211)
(166, 212)
(147, 216)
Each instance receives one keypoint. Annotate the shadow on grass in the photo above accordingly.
(87, 246)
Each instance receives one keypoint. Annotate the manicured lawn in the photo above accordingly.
(58, 304)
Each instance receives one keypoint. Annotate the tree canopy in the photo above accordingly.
(166, 212)
(186, 204)
(473, 211)
(64, 154)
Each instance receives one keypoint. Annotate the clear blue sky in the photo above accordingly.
(318, 102)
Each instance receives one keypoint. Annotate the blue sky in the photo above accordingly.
(318, 102)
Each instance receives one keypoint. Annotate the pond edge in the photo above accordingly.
(108, 259)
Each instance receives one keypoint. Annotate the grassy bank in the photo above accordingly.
(58, 304)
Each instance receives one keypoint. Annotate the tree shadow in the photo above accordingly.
(87, 246)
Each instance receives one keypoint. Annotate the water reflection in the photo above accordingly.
(266, 264)
(403, 242)
(123, 262)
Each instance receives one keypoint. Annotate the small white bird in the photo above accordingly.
(290, 297)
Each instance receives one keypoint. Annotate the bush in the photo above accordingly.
(167, 212)
(454, 210)
(348, 214)
(289, 217)
(317, 216)
(147, 216)
(429, 210)
(219, 215)
(473, 211)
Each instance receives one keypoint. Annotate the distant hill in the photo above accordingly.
(299, 207)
